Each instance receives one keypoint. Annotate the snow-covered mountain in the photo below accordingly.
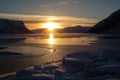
(110, 25)
(12, 27)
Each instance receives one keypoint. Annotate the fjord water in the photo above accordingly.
(42, 48)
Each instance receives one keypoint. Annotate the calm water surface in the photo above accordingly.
(41, 48)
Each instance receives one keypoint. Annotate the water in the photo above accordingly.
(41, 48)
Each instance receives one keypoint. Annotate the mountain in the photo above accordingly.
(40, 30)
(12, 27)
(74, 29)
(110, 25)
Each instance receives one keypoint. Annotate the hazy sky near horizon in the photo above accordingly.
(65, 12)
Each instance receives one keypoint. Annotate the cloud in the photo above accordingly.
(67, 2)
(63, 3)
(45, 6)
(75, 1)
(60, 3)
(42, 19)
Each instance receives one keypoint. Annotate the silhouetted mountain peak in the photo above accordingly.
(109, 25)
(12, 27)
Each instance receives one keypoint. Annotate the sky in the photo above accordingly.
(65, 12)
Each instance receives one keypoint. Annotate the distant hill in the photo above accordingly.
(76, 29)
(12, 27)
(40, 30)
(110, 25)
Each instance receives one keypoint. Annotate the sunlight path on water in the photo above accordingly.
(51, 38)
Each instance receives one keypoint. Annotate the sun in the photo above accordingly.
(51, 25)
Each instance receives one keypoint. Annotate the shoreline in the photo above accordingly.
(7, 53)
(2, 48)
(59, 54)
(82, 64)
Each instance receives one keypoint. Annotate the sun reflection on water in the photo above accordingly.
(51, 38)
(62, 39)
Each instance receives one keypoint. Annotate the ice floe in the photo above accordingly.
(76, 66)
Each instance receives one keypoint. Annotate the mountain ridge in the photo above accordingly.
(109, 25)
(72, 29)
(12, 27)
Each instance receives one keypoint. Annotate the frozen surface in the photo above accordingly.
(76, 66)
